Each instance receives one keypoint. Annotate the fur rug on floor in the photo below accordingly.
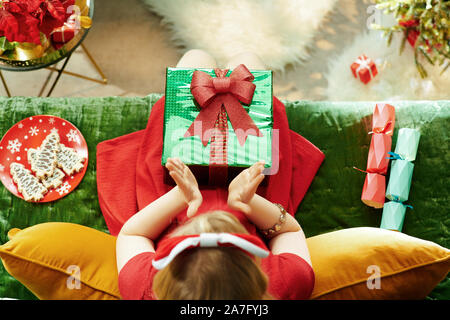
(398, 78)
(278, 30)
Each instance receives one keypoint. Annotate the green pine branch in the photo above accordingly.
(432, 19)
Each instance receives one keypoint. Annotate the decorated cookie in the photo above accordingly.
(69, 160)
(53, 181)
(31, 155)
(44, 162)
(27, 183)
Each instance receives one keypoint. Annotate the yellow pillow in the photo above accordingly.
(63, 261)
(372, 263)
(41, 258)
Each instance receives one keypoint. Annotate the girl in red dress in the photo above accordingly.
(201, 242)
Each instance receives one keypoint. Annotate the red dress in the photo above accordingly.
(130, 176)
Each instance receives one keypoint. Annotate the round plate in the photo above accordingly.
(29, 133)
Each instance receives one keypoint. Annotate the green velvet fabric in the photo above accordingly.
(339, 129)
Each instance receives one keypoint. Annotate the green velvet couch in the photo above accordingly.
(339, 129)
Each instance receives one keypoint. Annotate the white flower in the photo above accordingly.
(14, 146)
(64, 189)
(20, 125)
(33, 131)
(73, 136)
(2, 168)
(51, 120)
(54, 130)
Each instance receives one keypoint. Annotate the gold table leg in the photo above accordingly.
(96, 66)
(44, 86)
(104, 80)
(4, 84)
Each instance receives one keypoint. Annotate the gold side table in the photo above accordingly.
(49, 61)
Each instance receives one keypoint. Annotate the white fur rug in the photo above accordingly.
(279, 31)
(398, 78)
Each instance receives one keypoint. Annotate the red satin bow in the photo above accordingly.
(213, 93)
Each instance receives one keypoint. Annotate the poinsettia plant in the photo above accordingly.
(25, 20)
(425, 25)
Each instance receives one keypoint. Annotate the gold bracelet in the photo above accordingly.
(277, 226)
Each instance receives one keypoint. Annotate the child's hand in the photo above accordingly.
(242, 189)
(186, 183)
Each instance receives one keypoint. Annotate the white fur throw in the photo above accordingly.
(398, 78)
(279, 31)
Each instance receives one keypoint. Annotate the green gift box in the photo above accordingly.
(400, 180)
(181, 109)
(393, 216)
(407, 143)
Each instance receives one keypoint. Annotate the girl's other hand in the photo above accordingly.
(242, 189)
(187, 184)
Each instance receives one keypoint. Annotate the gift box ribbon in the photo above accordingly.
(213, 93)
(62, 32)
(388, 128)
(364, 63)
(377, 171)
(395, 156)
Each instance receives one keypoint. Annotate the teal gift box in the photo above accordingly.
(400, 180)
(407, 143)
(393, 216)
(181, 109)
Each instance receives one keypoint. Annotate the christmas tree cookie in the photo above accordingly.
(69, 160)
(45, 159)
(27, 183)
(53, 181)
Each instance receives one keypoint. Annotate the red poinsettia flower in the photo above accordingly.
(52, 14)
(23, 20)
(409, 23)
(31, 5)
(17, 25)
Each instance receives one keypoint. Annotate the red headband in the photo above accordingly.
(169, 248)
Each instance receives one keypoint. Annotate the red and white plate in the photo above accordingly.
(29, 133)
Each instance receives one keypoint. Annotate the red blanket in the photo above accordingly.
(130, 174)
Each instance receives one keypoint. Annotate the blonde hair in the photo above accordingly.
(211, 273)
